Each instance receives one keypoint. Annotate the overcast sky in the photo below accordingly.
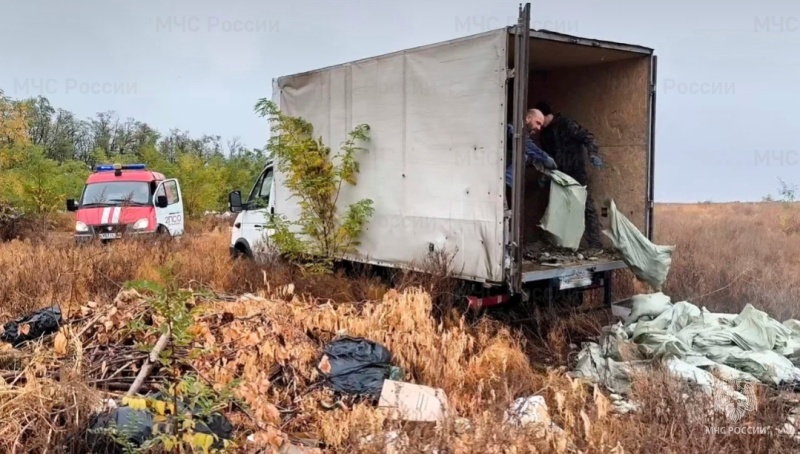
(728, 70)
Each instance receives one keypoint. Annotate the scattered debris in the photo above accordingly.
(393, 441)
(622, 406)
(691, 342)
(268, 345)
(528, 410)
(31, 327)
(550, 255)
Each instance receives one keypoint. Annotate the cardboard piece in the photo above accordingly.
(411, 402)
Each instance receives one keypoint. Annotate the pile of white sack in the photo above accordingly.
(692, 343)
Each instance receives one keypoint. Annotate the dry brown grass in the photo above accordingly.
(727, 255)
(54, 271)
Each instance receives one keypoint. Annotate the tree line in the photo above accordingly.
(46, 153)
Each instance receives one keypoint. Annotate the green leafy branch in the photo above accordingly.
(315, 178)
(184, 400)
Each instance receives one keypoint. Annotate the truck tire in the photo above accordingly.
(162, 234)
(240, 252)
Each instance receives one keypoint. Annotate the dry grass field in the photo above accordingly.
(732, 254)
(727, 255)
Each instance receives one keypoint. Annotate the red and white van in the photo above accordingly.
(125, 200)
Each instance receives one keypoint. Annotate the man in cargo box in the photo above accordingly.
(565, 139)
(533, 154)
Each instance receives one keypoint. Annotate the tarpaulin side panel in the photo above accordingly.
(434, 166)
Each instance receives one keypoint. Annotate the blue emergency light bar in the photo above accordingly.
(111, 167)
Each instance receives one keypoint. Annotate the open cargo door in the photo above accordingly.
(651, 163)
(522, 47)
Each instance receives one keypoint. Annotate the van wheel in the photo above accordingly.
(162, 233)
(239, 252)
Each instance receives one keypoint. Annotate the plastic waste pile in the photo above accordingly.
(693, 342)
(272, 354)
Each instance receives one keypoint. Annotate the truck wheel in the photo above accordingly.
(239, 252)
(162, 234)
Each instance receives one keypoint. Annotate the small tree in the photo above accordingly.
(788, 192)
(788, 222)
(185, 400)
(315, 179)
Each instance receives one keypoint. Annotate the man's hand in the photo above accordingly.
(596, 161)
(550, 164)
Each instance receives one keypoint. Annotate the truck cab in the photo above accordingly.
(250, 232)
(127, 200)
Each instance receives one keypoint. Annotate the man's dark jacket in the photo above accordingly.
(565, 140)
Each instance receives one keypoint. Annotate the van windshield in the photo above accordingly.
(117, 193)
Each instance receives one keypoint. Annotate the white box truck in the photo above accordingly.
(436, 160)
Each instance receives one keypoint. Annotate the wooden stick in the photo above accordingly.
(148, 364)
(129, 363)
(90, 324)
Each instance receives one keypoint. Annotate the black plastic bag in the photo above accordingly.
(136, 426)
(357, 366)
(40, 323)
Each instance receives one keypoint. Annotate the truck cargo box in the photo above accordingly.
(435, 165)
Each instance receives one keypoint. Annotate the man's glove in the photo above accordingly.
(550, 164)
(596, 161)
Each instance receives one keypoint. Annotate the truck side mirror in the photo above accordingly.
(72, 205)
(161, 201)
(235, 201)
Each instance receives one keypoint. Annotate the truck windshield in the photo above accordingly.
(117, 193)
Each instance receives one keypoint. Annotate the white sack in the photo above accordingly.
(564, 218)
(650, 263)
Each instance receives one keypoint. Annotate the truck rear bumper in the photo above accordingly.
(488, 301)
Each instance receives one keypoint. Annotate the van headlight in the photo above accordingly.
(81, 227)
(141, 224)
